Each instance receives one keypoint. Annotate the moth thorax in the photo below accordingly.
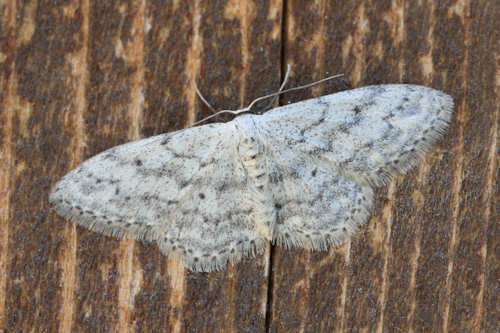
(253, 161)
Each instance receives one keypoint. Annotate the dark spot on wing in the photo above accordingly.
(165, 141)
(275, 177)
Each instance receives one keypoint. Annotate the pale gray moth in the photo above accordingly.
(299, 175)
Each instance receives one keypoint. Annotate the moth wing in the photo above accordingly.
(316, 206)
(369, 134)
(184, 190)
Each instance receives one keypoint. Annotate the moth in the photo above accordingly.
(300, 175)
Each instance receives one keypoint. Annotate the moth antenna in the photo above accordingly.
(285, 80)
(291, 89)
(249, 107)
(203, 98)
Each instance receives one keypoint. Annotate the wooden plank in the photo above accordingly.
(7, 31)
(115, 36)
(300, 278)
(218, 43)
(433, 208)
(343, 288)
(396, 273)
(43, 97)
(479, 125)
(81, 76)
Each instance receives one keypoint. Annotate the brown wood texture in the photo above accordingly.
(80, 76)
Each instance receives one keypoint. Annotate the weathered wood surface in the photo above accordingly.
(78, 77)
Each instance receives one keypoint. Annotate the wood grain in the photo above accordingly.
(80, 76)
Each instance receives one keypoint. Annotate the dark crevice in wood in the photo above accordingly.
(284, 23)
(270, 289)
(270, 284)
